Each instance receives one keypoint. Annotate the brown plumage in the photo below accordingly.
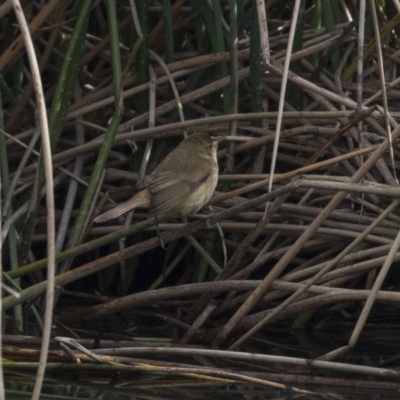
(181, 184)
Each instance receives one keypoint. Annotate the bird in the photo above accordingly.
(181, 184)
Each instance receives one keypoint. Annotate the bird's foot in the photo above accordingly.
(206, 216)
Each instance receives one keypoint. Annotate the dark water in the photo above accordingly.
(376, 348)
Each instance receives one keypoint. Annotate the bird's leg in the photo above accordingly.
(208, 223)
(159, 234)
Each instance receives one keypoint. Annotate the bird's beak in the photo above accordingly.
(219, 139)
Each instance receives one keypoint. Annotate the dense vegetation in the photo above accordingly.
(304, 230)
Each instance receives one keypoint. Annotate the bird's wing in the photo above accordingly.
(169, 189)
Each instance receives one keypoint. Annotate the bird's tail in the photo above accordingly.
(140, 199)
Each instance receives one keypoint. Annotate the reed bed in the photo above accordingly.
(303, 228)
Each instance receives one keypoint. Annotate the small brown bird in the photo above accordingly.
(181, 184)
